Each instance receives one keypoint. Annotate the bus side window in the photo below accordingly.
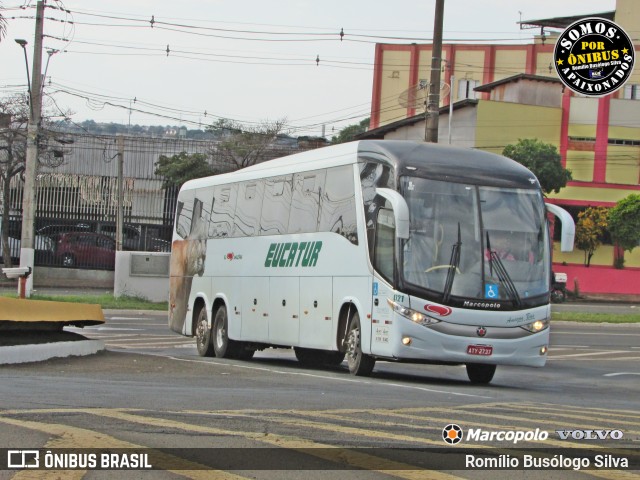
(385, 240)
(248, 209)
(305, 201)
(276, 206)
(338, 205)
(222, 210)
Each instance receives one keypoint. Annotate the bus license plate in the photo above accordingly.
(484, 350)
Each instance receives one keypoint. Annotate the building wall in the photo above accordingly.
(399, 67)
(628, 17)
(502, 123)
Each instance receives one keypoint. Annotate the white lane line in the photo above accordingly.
(599, 334)
(573, 355)
(617, 374)
(326, 377)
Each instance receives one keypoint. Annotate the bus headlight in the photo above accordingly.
(411, 314)
(537, 326)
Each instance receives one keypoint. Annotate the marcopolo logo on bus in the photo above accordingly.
(293, 254)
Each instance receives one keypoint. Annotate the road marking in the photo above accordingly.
(572, 355)
(599, 334)
(331, 453)
(553, 347)
(326, 377)
(617, 374)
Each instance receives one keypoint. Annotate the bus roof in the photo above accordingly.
(440, 162)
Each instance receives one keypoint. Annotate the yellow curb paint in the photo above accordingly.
(22, 310)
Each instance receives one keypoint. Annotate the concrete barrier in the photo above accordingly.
(142, 274)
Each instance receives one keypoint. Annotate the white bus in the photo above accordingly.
(373, 250)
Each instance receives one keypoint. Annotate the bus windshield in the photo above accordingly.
(475, 242)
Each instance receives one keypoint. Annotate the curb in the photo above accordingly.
(45, 351)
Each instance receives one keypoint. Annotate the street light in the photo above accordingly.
(23, 43)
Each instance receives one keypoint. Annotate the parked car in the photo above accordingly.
(86, 249)
(43, 245)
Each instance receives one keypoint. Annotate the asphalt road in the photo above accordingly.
(150, 389)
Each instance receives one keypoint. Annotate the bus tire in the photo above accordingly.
(203, 335)
(222, 345)
(360, 364)
(480, 373)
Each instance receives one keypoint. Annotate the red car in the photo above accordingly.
(86, 249)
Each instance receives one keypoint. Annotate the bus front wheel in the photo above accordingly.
(203, 335)
(480, 373)
(222, 345)
(359, 363)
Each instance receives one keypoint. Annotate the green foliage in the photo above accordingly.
(624, 222)
(590, 228)
(543, 160)
(177, 169)
(348, 133)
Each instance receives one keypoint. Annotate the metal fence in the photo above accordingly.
(77, 201)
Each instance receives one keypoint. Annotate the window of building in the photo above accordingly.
(631, 91)
(466, 88)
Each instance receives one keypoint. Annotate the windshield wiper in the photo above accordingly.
(454, 262)
(503, 276)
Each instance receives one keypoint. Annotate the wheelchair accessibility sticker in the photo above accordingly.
(491, 290)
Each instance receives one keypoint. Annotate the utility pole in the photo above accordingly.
(120, 194)
(433, 101)
(27, 250)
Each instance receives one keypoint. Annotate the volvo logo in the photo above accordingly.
(481, 331)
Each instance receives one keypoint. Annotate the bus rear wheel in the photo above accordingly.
(223, 346)
(360, 364)
(203, 335)
(480, 373)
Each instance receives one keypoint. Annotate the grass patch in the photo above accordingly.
(596, 317)
(106, 301)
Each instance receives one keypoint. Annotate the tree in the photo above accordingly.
(590, 228)
(14, 114)
(624, 223)
(3, 25)
(543, 160)
(244, 145)
(348, 133)
(177, 169)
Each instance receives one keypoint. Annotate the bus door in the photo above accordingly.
(384, 260)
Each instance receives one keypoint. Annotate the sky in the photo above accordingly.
(252, 61)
